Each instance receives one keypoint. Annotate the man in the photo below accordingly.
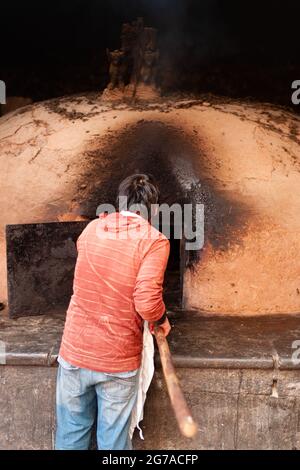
(118, 284)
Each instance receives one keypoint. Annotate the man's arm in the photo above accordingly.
(148, 299)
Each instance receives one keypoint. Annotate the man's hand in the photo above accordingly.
(165, 326)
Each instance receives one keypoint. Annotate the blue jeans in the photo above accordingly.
(82, 395)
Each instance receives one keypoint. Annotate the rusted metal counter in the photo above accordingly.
(238, 375)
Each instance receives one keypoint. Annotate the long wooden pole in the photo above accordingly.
(183, 415)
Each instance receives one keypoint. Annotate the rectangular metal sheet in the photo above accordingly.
(40, 266)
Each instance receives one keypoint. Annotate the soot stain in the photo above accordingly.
(148, 147)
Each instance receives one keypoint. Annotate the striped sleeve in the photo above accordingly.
(147, 295)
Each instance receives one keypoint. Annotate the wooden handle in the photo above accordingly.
(183, 415)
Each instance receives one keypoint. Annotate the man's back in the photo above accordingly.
(118, 283)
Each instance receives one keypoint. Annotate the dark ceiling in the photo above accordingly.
(228, 47)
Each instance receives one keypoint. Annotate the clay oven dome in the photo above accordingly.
(61, 158)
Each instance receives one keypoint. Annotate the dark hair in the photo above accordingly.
(140, 190)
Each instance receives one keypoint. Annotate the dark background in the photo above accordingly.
(246, 49)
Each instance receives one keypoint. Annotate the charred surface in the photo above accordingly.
(154, 147)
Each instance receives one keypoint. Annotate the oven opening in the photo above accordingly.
(174, 272)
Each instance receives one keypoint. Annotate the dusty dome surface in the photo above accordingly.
(63, 157)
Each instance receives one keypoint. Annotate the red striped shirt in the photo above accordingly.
(118, 282)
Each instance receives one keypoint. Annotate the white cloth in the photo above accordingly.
(146, 370)
(130, 214)
(145, 377)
